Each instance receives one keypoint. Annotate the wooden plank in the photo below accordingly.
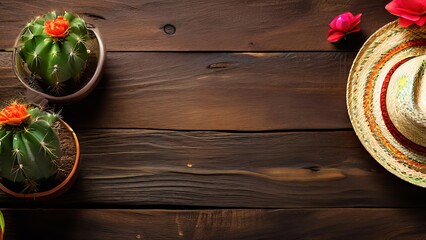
(216, 224)
(9, 85)
(223, 25)
(134, 168)
(216, 91)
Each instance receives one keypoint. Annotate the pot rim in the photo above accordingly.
(86, 89)
(63, 186)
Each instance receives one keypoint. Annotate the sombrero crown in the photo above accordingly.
(405, 110)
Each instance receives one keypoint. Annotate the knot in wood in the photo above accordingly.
(169, 29)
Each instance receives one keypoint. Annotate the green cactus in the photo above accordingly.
(28, 150)
(1, 226)
(56, 61)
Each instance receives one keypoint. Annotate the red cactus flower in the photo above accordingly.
(14, 114)
(57, 28)
(343, 24)
(408, 11)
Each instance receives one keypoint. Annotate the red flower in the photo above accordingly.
(57, 28)
(408, 11)
(14, 114)
(343, 24)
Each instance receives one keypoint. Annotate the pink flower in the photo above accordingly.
(408, 11)
(343, 24)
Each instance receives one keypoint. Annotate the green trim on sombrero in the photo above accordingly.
(379, 54)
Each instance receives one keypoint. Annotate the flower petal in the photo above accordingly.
(409, 16)
(405, 22)
(334, 36)
(413, 5)
(355, 21)
(343, 23)
(421, 21)
(401, 10)
(391, 7)
(348, 14)
(333, 22)
(355, 30)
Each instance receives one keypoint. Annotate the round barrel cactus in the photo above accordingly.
(54, 49)
(29, 145)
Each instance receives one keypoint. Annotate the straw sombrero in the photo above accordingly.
(386, 97)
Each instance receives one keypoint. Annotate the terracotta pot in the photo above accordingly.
(98, 54)
(63, 186)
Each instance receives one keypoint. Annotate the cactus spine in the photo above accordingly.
(56, 59)
(28, 150)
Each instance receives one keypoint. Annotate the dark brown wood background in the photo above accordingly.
(233, 127)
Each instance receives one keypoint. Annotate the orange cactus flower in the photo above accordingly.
(57, 28)
(14, 114)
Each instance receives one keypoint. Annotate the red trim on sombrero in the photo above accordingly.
(388, 122)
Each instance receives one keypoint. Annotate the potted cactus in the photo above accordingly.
(59, 56)
(39, 153)
(1, 226)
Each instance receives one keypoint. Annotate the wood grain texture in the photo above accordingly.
(216, 224)
(10, 87)
(215, 91)
(239, 116)
(254, 25)
(138, 168)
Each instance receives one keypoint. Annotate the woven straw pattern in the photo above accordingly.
(381, 52)
(405, 101)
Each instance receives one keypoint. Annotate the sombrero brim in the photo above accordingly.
(380, 53)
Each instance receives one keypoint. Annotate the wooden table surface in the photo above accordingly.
(216, 120)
